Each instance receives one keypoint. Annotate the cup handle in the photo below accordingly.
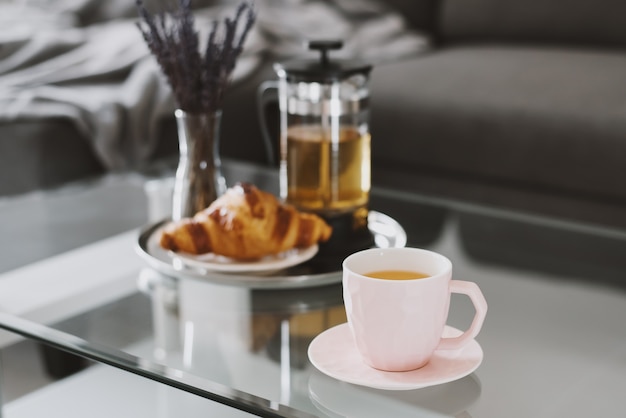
(472, 290)
(267, 92)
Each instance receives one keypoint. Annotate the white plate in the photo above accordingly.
(214, 262)
(334, 353)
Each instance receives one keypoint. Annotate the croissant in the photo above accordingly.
(245, 223)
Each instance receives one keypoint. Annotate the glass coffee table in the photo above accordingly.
(162, 340)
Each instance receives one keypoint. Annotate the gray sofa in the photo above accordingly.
(518, 104)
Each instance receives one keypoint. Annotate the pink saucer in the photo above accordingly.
(333, 353)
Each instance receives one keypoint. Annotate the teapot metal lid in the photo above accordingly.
(322, 69)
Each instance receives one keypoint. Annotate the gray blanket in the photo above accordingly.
(85, 60)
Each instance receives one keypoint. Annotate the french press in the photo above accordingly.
(324, 133)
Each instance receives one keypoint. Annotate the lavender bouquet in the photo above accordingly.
(198, 80)
(198, 77)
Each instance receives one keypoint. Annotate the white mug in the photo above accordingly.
(398, 324)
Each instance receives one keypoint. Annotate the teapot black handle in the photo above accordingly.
(267, 93)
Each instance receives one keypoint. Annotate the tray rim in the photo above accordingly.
(180, 270)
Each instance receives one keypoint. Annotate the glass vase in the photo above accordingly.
(199, 179)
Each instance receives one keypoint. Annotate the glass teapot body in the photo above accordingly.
(324, 136)
(325, 145)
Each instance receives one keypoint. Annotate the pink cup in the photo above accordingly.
(397, 324)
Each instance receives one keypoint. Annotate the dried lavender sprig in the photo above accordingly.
(198, 82)
(220, 56)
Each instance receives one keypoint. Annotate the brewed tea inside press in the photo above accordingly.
(325, 163)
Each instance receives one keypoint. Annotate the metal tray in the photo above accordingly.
(384, 229)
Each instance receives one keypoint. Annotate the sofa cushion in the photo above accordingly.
(419, 14)
(43, 154)
(585, 22)
(542, 119)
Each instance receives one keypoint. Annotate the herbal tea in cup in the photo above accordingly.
(396, 274)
